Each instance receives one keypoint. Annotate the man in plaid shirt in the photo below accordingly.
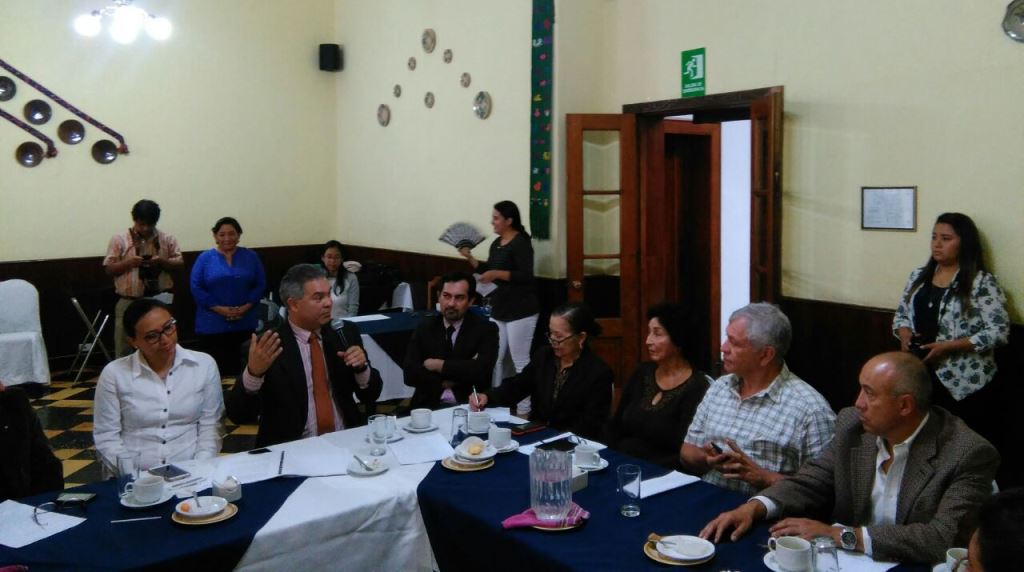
(759, 422)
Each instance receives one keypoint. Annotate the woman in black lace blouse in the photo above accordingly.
(660, 399)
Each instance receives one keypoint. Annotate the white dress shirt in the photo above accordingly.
(176, 419)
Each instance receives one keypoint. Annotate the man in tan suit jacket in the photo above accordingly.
(900, 477)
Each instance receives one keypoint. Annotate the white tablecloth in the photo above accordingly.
(390, 372)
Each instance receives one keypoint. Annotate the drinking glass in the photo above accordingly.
(629, 487)
(378, 428)
(550, 484)
(460, 426)
(825, 555)
(127, 470)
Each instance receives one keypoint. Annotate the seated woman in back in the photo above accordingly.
(660, 399)
(344, 284)
(570, 386)
(163, 401)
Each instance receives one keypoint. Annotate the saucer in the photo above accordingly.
(769, 561)
(484, 432)
(558, 528)
(357, 470)
(653, 554)
(512, 446)
(488, 453)
(396, 437)
(208, 506)
(408, 427)
(689, 548)
(602, 465)
(228, 512)
(130, 502)
(458, 466)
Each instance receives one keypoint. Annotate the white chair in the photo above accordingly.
(401, 296)
(22, 351)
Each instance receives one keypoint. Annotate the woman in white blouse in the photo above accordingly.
(344, 285)
(163, 401)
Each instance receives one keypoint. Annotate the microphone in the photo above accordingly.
(338, 325)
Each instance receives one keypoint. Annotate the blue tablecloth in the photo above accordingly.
(96, 544)
(463, 514)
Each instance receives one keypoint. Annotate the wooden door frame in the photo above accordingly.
(764, 107)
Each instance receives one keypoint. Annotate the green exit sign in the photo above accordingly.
(693, 72)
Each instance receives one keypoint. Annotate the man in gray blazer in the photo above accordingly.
(900, 477)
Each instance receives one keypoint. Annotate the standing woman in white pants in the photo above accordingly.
(514, 306)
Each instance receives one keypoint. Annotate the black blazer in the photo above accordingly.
(583, 403)
(28, 465)
(470, 363)
(282, 403)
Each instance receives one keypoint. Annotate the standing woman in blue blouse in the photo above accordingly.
(953, 315)
(514, 306)
(227, 284)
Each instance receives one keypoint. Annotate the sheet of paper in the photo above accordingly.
(858, 562)
(499, 414)
(366, 318)
(315, 457)
(527, 449)
(17, 528)
(484, 288)
(250, 468)
(673, 480)
(418, 449)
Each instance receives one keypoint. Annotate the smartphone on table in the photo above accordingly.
(528, 428)
(169, 472)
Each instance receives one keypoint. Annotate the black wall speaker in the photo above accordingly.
(330, 57)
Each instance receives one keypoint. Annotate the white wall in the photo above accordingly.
(229, 117)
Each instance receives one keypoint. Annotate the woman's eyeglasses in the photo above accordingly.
(559, 341)
(168, 329)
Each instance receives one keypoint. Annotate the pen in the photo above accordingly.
(280, 465)
(136, 519)
(476, 397)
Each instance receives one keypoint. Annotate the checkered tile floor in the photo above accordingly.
(65, 413)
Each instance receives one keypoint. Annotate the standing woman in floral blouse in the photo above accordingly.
(953, 315)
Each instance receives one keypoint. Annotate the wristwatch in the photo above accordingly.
(848, 538)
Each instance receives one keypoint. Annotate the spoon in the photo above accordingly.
(195, 499)
(362, 462)
(654, 538)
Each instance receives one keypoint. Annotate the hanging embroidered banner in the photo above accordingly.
(540, 117)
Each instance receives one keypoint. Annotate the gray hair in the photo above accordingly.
(293, 283)
(910, 377)
(766, 326)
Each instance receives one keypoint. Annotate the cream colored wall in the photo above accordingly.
(920, 92)
(400, 186)
(231, 116)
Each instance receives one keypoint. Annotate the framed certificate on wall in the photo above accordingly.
(888, 208)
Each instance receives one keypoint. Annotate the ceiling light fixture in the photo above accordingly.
(125, 23)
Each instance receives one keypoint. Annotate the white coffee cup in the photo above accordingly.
(792, 553)
(419, 418)
(146, 489)
(954, 555)
(587, 456)
(500, 437)
(479, 421)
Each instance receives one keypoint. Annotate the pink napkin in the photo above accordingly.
(575, 516)
(448, 397)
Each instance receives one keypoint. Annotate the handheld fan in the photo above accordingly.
(461, 235)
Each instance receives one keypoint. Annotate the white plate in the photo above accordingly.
(130, 502)
(408, 427)
(512, 446)
(208, 506)
(357, 470)
(688, 547)
(602, 465)
(488, 453)
(396, 437)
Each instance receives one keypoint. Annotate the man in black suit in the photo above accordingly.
(29, 466)
(299, 379)
(451, 353)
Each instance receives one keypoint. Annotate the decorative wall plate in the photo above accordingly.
(7, 88)
(383, 115)
(29, 154)
(71, 132)
(38, 112)
(482, 105)
(466, 79)
(104, 151)
(1013, 22)
(412, 63)
(429, 40)
(397, 91)
(447, 56)
(428, 99)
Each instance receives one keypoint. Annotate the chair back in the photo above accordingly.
(19, 307)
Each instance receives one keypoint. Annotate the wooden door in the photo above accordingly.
(765, 197)
(601, 231)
